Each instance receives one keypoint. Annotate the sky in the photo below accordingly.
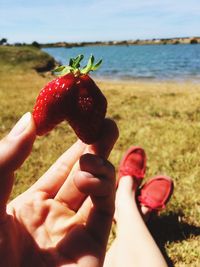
(97, 20)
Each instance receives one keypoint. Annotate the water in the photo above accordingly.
(155, 62)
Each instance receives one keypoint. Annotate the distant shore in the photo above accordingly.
(155, 41)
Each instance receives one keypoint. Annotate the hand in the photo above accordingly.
(64, 219)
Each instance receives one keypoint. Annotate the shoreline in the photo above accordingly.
(145, 81)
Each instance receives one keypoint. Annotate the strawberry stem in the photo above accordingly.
(74, 66)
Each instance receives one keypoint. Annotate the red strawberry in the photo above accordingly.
(73, 97)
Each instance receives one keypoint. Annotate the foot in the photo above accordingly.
(156, 193)
(133, 164)
(152, 197)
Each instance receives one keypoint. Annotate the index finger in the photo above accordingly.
(69, 193)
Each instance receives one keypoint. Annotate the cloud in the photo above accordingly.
(82, 20)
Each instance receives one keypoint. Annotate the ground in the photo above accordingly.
(162, 117)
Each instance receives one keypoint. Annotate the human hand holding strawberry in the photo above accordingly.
(74, 97)
(63, 219)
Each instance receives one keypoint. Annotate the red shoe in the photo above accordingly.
(156, 193)
(133, 163)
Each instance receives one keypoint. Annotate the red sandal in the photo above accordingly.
(133, 163)
(156, 193)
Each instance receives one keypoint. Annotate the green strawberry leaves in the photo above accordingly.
(62, 70)
(74, 66)
(91, 66)
(75, 62)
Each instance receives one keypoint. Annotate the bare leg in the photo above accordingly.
(134, 245)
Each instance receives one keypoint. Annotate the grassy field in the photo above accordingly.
(163, 118)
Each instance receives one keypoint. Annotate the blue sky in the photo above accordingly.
(97, 20)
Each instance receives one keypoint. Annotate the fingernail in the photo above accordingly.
(21, 125)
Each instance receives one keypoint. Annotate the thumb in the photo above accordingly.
(14, 148)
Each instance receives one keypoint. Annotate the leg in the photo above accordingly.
(134, 245)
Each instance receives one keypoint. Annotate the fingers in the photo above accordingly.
(97, 179)
(57, 181)
(14, 149)
(54, 178)
(68, 193)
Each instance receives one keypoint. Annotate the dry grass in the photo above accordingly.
(163, 118)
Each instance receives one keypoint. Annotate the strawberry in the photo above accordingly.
(74, 97)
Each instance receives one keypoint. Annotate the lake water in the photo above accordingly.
(155, 62)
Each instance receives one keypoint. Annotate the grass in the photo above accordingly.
(163, 118)
(24, 58)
